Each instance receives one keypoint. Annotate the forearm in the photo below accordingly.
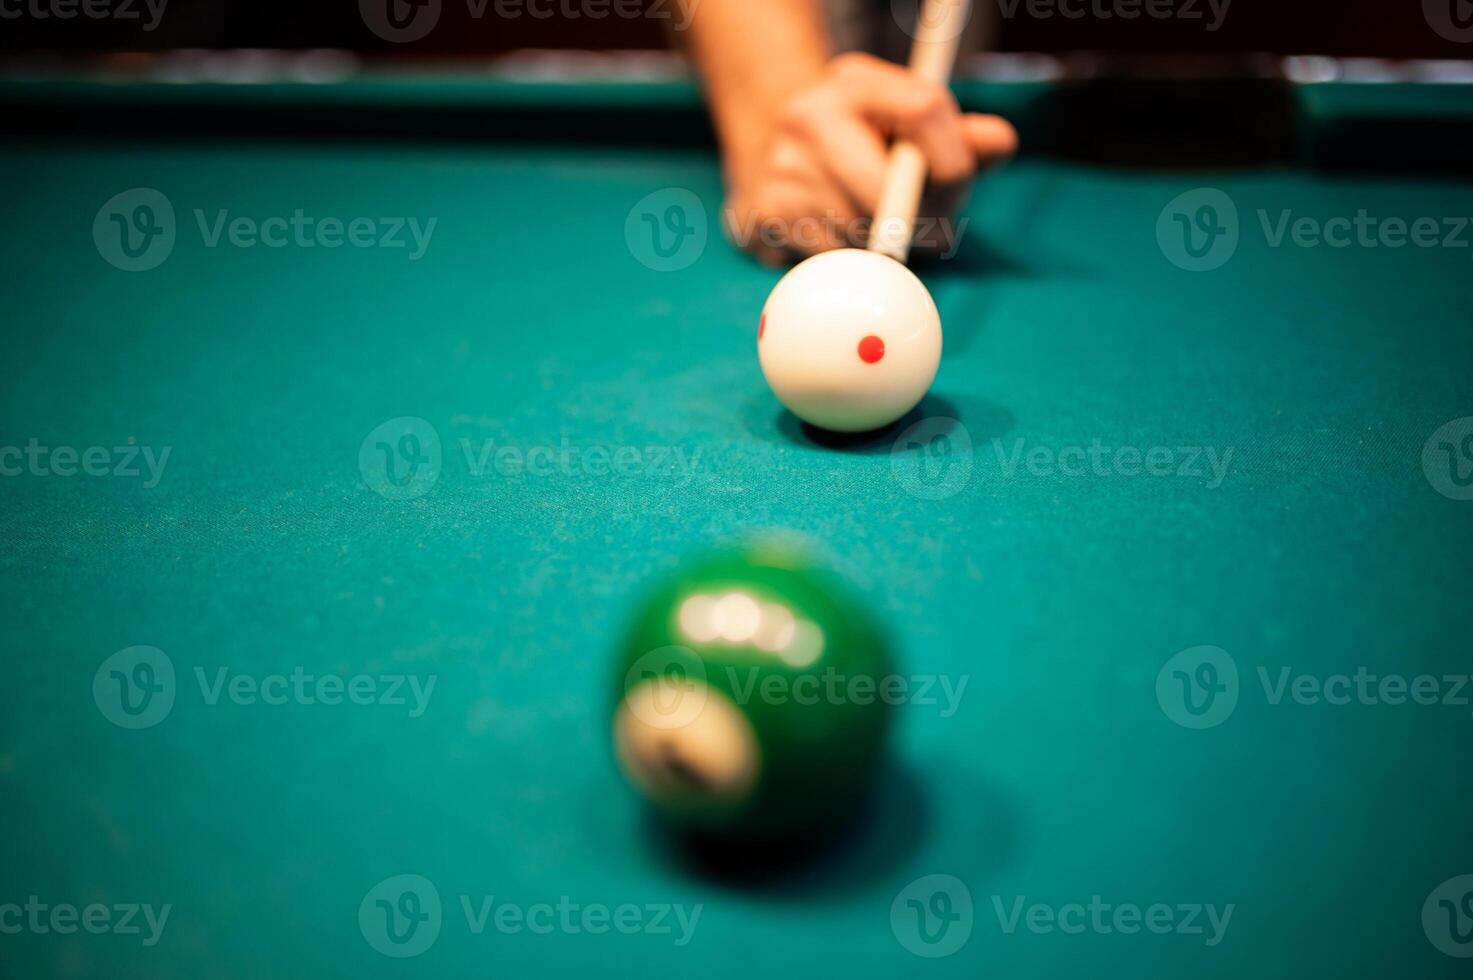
(753, 56)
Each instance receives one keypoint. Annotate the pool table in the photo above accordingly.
(343, 426)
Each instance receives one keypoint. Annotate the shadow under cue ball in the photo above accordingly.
(850, 340)
(748, 701)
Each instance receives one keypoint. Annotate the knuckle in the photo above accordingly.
(800, 116)
(932, 102)
(851, 64)
(788, 165)
(913, 107)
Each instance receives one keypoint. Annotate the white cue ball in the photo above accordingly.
(850, 340)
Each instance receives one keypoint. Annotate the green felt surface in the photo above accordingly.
(529, 322)
(1447, 102)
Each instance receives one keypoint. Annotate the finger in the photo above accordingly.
(822, 220)
(753, 219)
(932, 120)
(902, 105)
(849, 149)
(759, 230)
(992, 138)
(788, 220)
(810, 210)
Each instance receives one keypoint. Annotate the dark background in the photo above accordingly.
(1384, 28)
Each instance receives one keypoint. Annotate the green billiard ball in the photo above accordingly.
(748, 699)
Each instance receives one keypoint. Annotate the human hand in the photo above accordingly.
(815, 184)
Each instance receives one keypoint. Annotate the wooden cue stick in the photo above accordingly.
(938, 33)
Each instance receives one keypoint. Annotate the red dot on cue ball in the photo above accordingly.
(762, 326)
(871, 349)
